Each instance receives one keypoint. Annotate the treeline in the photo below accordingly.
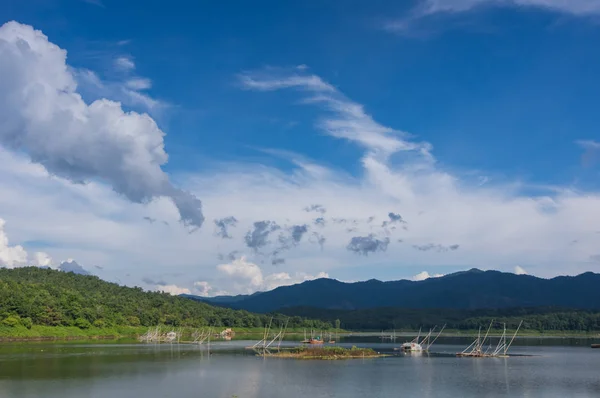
(542, 319)
(34, 296)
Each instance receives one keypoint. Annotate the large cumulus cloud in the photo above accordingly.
(43, 115)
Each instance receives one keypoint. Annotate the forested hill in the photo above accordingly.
(35, 296)
(463, 290)
(541, 319)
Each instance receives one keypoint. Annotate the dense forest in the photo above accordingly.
(542, 319)
(34, 296)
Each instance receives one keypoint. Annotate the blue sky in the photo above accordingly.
(503, 93)
(500, 80)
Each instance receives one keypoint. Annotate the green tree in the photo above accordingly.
(27, 322)
(99, 323)
(82, 323)
(12, 321)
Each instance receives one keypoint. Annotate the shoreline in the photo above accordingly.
(71, 333)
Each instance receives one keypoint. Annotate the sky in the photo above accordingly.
(204, 148)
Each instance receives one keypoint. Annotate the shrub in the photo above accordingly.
(82, 323)
(99, 323)
(12, 321)
(27, 322)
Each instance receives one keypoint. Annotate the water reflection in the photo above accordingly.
(185, 371)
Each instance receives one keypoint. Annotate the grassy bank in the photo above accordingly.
(37, 332)
(328, 353)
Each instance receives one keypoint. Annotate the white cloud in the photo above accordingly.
(10, 256)
(426, 8)
(42, 259)
(520, 271)
(127, 88)
(243, 277)
(268, 83)
(124, 63)
(98, 3)
(421, 276)
(16, 256)
(348, 119)
(127, 92)
(203, 288)
(591, 153)
(241, 269)
(575, 7)
(589, 144)
(38, 99)
(139, 83)
(173, 289)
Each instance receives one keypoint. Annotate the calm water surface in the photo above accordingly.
(557, 368)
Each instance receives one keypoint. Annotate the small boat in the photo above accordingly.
(595, 345)
(312, 340)
(417, 344)
(412, 347)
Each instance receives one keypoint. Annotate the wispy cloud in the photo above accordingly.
(98, 3)
(436, 247)
(139, 83)
(316, 207)
(269, 82)
(349, 120)
(575, 7)
(431, 8)
(591, 153)
(124, 63)
(128, 92)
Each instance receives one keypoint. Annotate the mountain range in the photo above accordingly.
(473, 289)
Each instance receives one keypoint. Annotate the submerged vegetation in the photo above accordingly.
(38, 302)
(305, 352)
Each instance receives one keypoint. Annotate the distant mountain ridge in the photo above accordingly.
(471, 289)
(221, 299)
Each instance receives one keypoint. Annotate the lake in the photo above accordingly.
(556, 368)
